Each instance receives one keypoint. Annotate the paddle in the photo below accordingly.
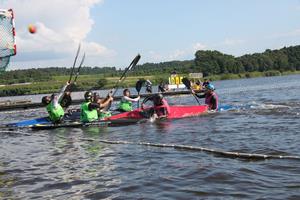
(72, 71)
(77, 73)
(187, 84)
(66, 100)
(122, 78)
(138, 87)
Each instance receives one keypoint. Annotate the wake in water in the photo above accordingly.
(283, 108)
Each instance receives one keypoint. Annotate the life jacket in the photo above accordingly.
(87, 115)
(55, 114)
(125, 105)
(208, 99)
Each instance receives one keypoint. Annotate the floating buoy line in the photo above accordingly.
(227, 154)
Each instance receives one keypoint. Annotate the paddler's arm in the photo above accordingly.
(62, 91)
(198, 95)
(105, 102)
(132, 99)
(93, 106)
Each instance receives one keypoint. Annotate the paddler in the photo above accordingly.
(89, 109)
(52, 103)
(211, 98)
(103, 102)
(160, 107)
(125, 104)
(148, 85)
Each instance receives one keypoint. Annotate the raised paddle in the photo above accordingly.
(72, 71)
(123, 76)
(138, 87)
(77, 73)
(187, 84)
(66, 100)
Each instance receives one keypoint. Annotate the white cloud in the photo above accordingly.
(292, 33)
(177, 54)
(199, 46)
(61, 25)
(232, 42)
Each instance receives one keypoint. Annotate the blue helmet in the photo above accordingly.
(210, 87)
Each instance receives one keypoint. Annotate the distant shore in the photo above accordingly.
(97, 81)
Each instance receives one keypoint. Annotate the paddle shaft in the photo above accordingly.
(75, 60)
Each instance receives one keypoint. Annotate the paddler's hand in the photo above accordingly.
(193, 92)
(110, 94)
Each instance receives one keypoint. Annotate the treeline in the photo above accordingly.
(208, 62)
(46, 74)
(214, 62)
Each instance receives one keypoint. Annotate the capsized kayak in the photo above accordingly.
(175, 112)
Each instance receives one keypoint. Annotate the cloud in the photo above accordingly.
(61, 25)
(292, 33)
(232, 42)
(177, 54)
(199, 46)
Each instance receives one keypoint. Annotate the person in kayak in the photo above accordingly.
(125, 104)
(89, 109)
(52, 103)
(160, 107)
(148, 85)
(211, 98)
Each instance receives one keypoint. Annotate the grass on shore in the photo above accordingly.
(86, 82)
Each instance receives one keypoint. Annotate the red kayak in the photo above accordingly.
(175, 112)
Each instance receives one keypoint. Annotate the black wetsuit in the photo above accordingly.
(213, 100)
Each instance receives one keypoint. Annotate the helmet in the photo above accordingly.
(210, 87)
(158, 99)
(160, 96)
(45, 100)
(88, 95)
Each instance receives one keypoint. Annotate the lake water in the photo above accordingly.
(60, 164)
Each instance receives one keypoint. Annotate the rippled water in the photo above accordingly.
(59, 164)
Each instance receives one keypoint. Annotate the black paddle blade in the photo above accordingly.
(139, 85)
(136, 60)
(187, 83)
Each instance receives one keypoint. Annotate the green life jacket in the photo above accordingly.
(125, 105)
(55, 114)
(86, 114)
(104, 115)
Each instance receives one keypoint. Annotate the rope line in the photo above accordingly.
(228, 154)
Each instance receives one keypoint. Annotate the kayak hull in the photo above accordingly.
(175, 112)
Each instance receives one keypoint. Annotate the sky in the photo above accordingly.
(113, 32)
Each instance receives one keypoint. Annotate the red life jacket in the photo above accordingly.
(208, 98)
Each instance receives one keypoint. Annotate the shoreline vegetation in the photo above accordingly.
(54, 86)
(213, 64)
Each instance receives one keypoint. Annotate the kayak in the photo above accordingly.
(78, 124)
(72, 120)
(175, 112)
